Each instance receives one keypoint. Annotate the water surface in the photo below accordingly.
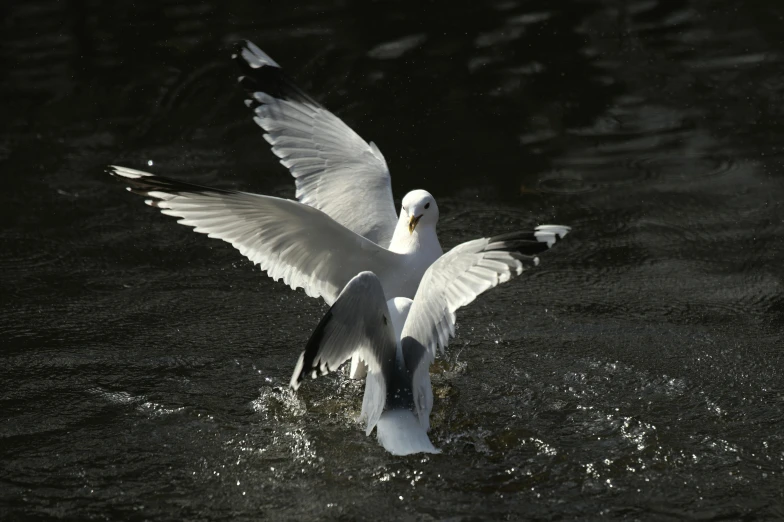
(636, 374)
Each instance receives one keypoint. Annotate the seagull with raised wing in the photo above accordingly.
(345, 220)
(398, 338)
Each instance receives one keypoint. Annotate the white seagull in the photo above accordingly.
(345, 220)
(398, 338)
(335, 170)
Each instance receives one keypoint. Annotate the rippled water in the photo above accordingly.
(637, 373)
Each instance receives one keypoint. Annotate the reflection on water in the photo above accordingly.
(635, 374)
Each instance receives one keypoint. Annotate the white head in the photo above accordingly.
(398, 312)
(419, 209)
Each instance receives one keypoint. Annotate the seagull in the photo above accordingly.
(398, 338)
(334, 169)
(345, 220)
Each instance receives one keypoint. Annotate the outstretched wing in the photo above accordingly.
(291, 241)
(335, 170)
(357, 324)
(455, 280)
(460, 275)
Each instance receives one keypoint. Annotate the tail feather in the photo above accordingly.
(400, 433)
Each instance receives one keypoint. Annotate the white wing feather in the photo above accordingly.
(291, 241)
(456, 279)
(335, 170)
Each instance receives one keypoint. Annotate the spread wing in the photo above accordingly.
(291, 241)
(455, 280)
(335, 170)
(357, 324)
(460, 275)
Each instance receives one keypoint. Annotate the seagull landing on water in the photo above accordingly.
(398, 338)
(345, 221)
(305, 247)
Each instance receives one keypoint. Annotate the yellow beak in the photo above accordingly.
(412, 223)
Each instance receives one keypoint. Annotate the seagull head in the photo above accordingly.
(420, 209)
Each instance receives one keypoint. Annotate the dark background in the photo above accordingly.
(636, 374)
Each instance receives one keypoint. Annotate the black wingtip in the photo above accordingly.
(529, 242)
(308, 363)
(260, 73)
(147, 183)
(239, 46)
(528, 261)
(524, 242)
(112, 171)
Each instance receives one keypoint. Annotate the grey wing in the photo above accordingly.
(357, 324)
(335, 170)
(460, 275)
(290, 240)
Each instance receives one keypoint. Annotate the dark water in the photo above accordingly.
(637, 374)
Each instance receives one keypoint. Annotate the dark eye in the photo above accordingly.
(385, 319)
(427, 206)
